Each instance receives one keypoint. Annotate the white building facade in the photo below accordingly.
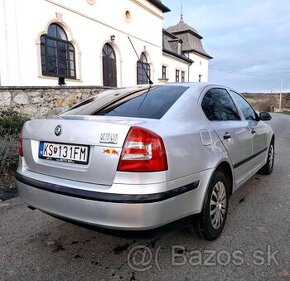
(87, 42)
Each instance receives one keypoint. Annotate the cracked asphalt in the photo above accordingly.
(255, 244)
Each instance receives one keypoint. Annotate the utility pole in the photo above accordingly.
(280, 102)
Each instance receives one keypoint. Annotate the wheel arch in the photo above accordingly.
(273, 138)
(226, 168)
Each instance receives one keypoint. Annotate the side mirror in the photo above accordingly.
(265, 116)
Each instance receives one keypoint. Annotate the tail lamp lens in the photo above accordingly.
(143, 151)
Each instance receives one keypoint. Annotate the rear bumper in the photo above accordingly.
(110, 210)
(106, 197)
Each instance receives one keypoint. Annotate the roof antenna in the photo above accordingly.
(149, 80)
(181, 11)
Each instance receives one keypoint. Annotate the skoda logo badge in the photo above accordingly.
(58, 130)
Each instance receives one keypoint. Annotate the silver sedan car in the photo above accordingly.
(141, 158)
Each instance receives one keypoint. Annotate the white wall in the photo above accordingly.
(9, 55)
(172, 63)
(89, 27)
(199, 67)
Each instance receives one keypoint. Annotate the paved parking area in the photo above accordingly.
(255, 244)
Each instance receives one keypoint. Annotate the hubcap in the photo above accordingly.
(271, 156)
(218, 202)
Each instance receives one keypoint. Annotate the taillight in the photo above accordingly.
(143, 151)
(20, 145)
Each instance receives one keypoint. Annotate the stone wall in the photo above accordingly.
(38, 102)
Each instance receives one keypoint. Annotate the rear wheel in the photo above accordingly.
(210, 223)
(267, 169)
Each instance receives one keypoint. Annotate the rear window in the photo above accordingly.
(139, 104)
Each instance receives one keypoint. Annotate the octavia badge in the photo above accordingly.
(58, 130)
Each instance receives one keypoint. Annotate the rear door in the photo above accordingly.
(257, 129)
(231, 129)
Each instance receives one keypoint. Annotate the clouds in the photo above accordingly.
(249, 40)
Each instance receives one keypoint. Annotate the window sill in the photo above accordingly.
(56, 79)
(163, 80)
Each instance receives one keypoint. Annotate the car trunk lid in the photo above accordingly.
(104, 138)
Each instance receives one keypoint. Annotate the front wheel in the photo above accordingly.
(210, 223)
(267, 169)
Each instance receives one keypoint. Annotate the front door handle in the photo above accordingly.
(227, 136)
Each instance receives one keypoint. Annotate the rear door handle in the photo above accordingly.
(253, 131)
(227, 136)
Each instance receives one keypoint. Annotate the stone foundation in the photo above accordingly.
(43, 102)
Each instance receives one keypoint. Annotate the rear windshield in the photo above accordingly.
(139, 104)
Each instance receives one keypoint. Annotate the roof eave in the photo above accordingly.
(169, 34)
(160, 6)
(188, 31)
(198, 52)
(190, 61)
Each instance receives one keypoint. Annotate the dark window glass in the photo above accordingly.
(108, 51)
(143, 70)
(83, 103)
(246, 109)
(143, 104)
(218, 106)
(182, 76)
(52, 31)
(176, 75)
(50, 43)
(164, 72)
(57, 54)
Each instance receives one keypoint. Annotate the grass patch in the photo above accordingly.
(252, 101)
(285, 112)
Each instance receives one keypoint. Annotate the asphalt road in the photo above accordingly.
(255, 244)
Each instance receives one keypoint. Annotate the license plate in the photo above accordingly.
(78, 154)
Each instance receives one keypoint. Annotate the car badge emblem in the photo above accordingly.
(111, 151)
(111, 138)
(58, 130)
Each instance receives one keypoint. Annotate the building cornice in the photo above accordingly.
(177, 56)
(160, 6)
(188, 31)
(137, 2)
(102, 23)
(197, 52)
(169, 34)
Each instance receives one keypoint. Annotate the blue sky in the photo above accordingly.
(249, 40)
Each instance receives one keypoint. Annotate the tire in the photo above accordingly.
(267, 169)
(206, 224)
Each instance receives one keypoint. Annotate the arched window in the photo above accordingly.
(57, 53)
(143, 67)
(109, 66)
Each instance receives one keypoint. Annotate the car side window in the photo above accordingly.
(246, 109)
(218, 106)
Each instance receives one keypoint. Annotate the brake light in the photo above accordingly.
(143, 151)
(20, 145)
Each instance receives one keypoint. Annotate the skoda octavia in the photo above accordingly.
(141, 158)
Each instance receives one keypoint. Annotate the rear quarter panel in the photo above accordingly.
(186, 152)
(181, 129)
